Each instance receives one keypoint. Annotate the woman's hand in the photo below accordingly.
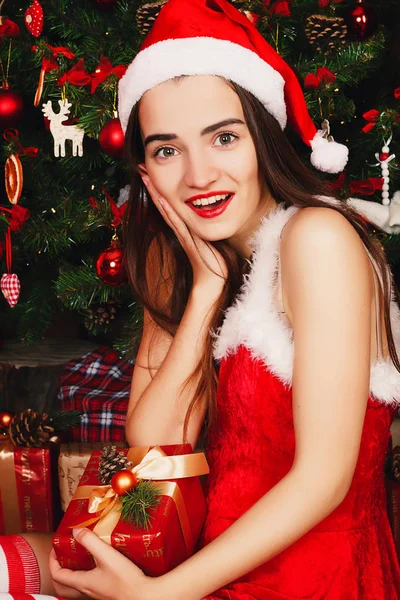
(207, 263)
(114, 577)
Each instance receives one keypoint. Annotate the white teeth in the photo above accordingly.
(211, 200)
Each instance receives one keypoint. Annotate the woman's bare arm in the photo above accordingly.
(158, 402)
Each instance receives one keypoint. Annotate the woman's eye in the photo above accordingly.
(226, 139)
(164, 152)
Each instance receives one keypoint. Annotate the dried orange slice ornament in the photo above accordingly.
(13, 178)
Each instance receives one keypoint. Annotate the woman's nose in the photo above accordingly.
(200, 171)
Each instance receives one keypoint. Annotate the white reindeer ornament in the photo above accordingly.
(62, 132)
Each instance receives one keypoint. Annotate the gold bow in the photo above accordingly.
(155, 465)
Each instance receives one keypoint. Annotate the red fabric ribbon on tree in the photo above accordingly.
(103, 70)
(366, 187)
(94, 203)
(56, 50)
(76, 75)
(17, 215)
(323, 75)
(117, 211)
(12, 134)
(372, 117)
(9, 29)
(281, 8)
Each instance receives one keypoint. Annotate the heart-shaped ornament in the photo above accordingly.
(34, 18)
(10, 286)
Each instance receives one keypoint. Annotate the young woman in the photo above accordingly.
(269, 317)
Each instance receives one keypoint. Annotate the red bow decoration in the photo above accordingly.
(76, 75)
(117, 211)
(325, 3)
(103, 70)
(56, 50)
(323, 76)
(49, 64)
(9, 29)
(281, 8)
(396, 93)
(372, 117)
(12, 134)
(364, 187)
(17, 215)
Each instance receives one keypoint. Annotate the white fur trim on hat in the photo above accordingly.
(254, 320)
(328, 156)
(201, 56)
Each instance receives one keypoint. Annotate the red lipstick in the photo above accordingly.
(211, 211)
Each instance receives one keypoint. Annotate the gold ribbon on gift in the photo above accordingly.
(8, 488)
(152, 465)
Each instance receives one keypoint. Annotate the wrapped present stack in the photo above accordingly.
(148, 503)
(29, 446)
(98, 385)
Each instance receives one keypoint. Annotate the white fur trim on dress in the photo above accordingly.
(254, 320)
(201, 56)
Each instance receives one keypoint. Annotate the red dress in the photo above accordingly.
(350, 555)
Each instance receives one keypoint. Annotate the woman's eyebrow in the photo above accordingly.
(167, 137)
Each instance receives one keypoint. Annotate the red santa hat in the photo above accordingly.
(211, 37)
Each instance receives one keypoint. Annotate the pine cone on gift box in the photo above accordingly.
(111, 462)
(147, 14)
(326, 34)
(31, 429)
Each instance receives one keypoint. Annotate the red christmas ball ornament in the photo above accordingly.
(384, 156)
(361, 20)
(123, 481)
(11, 108)
(5, 419)
(110, 266)
(112, 138)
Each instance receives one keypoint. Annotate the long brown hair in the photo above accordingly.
(288, 181)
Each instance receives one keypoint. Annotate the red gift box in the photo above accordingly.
(28, 488)
(176, 521)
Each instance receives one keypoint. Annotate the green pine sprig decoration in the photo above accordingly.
(137, 503)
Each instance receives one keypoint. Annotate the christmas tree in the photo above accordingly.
(65, 177)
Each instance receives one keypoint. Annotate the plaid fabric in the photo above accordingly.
(98, 385)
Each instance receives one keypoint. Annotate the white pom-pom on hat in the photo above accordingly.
(327, 155)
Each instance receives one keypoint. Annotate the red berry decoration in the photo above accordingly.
(384, 156)
(361, 21)
(5, 419)
(123, 481)
(11, 108)
(34, 19)
(110, 267)
(112, 138)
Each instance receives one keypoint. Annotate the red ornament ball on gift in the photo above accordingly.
(361, 20)
(11, 108)
(112, 138)
(123, 481)
(110, 267)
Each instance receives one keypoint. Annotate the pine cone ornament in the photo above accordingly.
(111, 462)
(102, 314)
(396, 466)
(326, 34)
(30, 429)
(147, 14)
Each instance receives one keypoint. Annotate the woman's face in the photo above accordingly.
(197, 144)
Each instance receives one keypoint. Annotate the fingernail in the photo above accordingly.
(76, 532)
